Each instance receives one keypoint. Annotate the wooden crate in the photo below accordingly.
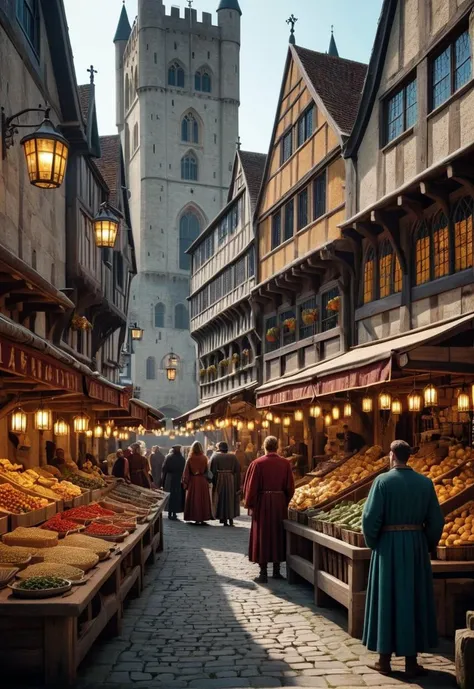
(292, 515)
(32, 518)
(455, 553)
(354, 538)
(4, 523)
(355, 492)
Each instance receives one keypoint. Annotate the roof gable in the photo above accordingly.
(253, 166)
(89, 116)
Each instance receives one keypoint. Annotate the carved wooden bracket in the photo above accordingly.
(464, 174)
(436, 193)
(412, 207)
(391, 227)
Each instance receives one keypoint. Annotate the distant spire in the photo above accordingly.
(333, 51)
(123, 28)
(292, 21)
(229, 5)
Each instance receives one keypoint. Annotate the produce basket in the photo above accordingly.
(355, 538)
(455, 553)
(293, 515)
(302, 518)
(316, 524)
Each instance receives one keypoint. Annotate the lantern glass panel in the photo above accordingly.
(336, 412)
(46, 154)
(430, 394)
(414, 402)
(396, 407)
(286, 421)
(18, 421)
(367, 404)
(299, 415)
(61, 428)
(385, 401)
(463, 402)
(315, 411)
(347, 410)
(43, 419)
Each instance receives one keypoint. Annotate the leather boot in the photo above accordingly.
(276, 571)
(263, 576)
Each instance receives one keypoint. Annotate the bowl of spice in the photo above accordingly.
(40, 587)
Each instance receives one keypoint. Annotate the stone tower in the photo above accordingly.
(177, 111)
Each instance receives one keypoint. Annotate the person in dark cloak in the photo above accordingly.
(225, 470)
(171, 476)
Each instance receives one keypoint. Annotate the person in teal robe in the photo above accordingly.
(402, 522)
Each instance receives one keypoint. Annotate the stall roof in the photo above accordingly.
(207, 408)
(365, 365)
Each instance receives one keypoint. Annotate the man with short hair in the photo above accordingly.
(402, 523)
(225, 470)
(353, 442)
(269, 487)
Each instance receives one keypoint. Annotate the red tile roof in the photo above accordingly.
(338, 82)
(108, 164)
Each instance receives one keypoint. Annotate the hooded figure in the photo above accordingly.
(171, 476)
(225, 469)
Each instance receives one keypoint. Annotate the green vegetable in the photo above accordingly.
(41, 583)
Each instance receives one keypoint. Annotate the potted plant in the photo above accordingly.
(334, 304)
(235, 359)
(290, 324)
(203, 372)
(273, 334)
(224, 363)
(309, 316)
(80, 323)
(212, 370)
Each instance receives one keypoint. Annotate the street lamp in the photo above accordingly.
(172, 367)
(43, 419)
(136, 332)
(106, 225)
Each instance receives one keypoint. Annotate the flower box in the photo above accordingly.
(273, 334)
(309, 316)
(290, 324)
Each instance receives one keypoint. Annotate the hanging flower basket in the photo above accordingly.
(224, 363)
(272, 334)
(245, 353)
(309, 316)
(290, 324)
(80, 323)
(203, 372)
(334, 304)
(212, 370)
(235, 358)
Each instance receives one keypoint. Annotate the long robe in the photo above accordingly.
(171, 476)
(400, 615)
(157, 459)
(269, 487)
(138, 465)
(225, 470)
(197, 507)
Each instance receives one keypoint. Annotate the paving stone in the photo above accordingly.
(118, 677)
(345, 681)
(264, 681)
(140, 676)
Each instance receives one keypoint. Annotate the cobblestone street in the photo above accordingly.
(202, 623)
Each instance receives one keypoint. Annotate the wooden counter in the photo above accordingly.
(49, 638)
(340, 571)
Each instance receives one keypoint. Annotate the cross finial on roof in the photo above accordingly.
(238, 143)
(190, 3)
(292, 21)
(92, 71)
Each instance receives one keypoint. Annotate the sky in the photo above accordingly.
(92, 25)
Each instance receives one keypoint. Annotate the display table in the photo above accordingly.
(49, 638)
(340, 571)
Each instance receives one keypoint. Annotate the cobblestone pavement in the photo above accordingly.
(202, 623)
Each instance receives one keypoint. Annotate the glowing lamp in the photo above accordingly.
(89, 433)
(396, 407)
(18, 421)
(106, 225)
(81, 423)
(136, 333)
(60, 428)
(414, 401)
(98, 431)
(327, 420)
(347, 410)
(463, 402)
(336, 412)
(385, 401)
(299, 415)
(269, 415)
(315, 411)
(43, 419)
(265, 424)
(367, 404)
(277, 420)
(172, 367)
(46, 153)
(430, 394)
(251, 425)
(287, 421)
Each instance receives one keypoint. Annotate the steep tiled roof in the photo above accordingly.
(338, 82)
(84, 99)
(254, 166)
(108, 164)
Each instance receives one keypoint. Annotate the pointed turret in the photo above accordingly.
(123, 28)
(333, 51)
(230, 5)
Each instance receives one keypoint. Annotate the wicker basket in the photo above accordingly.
(302, 518)
(336, 531)
(455, 552)
(328, 528)
(316, 524)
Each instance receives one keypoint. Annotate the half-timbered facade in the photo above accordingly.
(411, 171)
(222, 278)
(305, 268)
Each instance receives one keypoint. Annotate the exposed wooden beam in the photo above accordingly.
(464, 174)
(391, 226)
(437, 194)
(366, 231)
(413, 208)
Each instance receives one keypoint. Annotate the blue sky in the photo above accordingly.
(92, 25)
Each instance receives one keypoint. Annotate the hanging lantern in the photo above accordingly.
(414, 401)
(385, 401)
(106, 225)
(81, 423)
(240, 426)
(235, 422)
(172, 436)
(367, 404)
(251, 426)
(46, 153)
(269, 416)
(172, 367)
(277, 420)
(463, 402)
(430, 394)
(61, 428)
(227, 423)
(287, 421)
(327, 420)
(336, 412)
(396, 407)
(18, 421)
(43, 419)
(136, 333)
(89, 433)
(116, 433)
(107, 431)
(347, 410)
(315, 411)
(98, 431)
(265, 424)
(299, 415)
(190, 425)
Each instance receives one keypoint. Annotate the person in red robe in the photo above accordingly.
(269, 487)
(197, 506)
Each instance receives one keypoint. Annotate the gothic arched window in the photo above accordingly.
(202, 81)
(369, 274)
(176, 75)
(150, 368)
(190, 129)
(463, 234)
(422, 254)
(181, 317)
(189, 228)
(159, 315)
(189, 167)
(390, 272)
(441, 244)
